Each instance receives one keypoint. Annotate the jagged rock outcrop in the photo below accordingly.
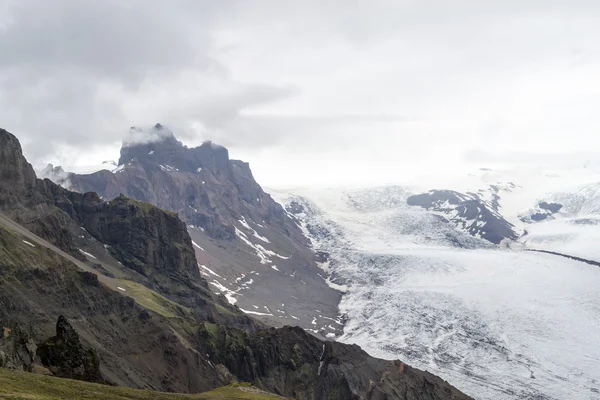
(16, 175)
(17, 349)
(66, 357)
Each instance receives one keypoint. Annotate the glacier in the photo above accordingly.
(498, 322)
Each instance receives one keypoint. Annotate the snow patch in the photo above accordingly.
(256, 313)
(168, 168)
(262, 253)
(244, 223)
(229, 294)
(88, 254)
(210, 271)
(119, 168)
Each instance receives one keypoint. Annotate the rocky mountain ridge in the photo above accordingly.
(138, 300)
(475, 213)
(248, 247)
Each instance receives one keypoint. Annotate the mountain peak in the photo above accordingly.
(158, 147)
(16, 174)
(142, 143)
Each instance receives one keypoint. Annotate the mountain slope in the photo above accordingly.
(249, 248)
(471, 212)
(21, 385)
(120, 289)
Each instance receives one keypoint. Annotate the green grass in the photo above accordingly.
(223, 311)
(151, 300)
(14, 252)
(16, 385)
(212, 329)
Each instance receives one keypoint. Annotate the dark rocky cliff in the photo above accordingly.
(16, 175)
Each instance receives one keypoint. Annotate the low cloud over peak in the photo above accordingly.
(157, 133)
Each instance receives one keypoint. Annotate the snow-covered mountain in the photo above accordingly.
(471, 212)
(421, 284)
(570, 223)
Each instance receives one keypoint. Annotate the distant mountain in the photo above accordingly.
(475, 213)
(248, 247)
(111, 292)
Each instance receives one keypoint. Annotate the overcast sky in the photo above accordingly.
(306, 91)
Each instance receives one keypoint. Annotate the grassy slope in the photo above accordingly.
(16, 385)
(15, 252)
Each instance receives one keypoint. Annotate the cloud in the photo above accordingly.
(121, 41)
(530, 158)
(137, 135)
(55, 174)
(398, 85)
(74, 76)
(302, 132)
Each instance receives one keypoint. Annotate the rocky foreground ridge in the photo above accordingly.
(123, 278)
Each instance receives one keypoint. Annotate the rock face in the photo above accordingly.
(16, 174)
(298, 365)
(139, 313)
(145, 239)
(65, 356)
(202, 184)
(249, 247)
(470, 212)
(17, 349)
(542, 211)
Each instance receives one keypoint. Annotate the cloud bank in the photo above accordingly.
(305, 91)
